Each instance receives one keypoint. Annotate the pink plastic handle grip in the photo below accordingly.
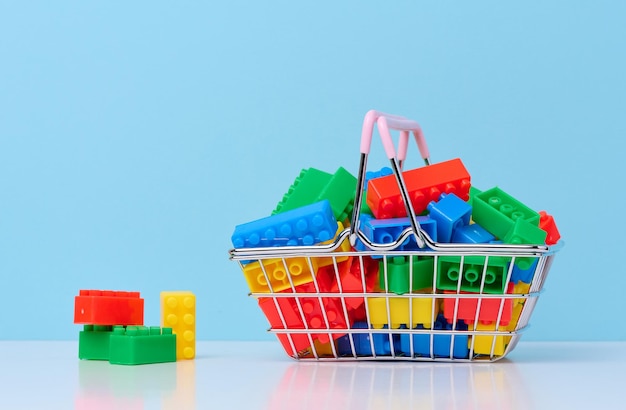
(386, 122)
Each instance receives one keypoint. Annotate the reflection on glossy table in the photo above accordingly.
(258, 375)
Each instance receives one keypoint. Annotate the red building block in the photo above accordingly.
(489, 308)
(424, 184)
(292, 320)
(546, 222)
(108, 307)
(314, 313)
(349, 273)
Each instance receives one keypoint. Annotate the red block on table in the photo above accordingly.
(546, 222)
(489, 308)
(108, 307)
(424, 184)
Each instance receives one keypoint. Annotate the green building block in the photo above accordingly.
(448, 270)
(497, 211)
(524, 232)
(473, 191)
(93, 342)
(304, 190)
(142, 345)
(313, 185)
(365, 208)
(398, 271)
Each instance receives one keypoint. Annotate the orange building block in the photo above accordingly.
(108, 308)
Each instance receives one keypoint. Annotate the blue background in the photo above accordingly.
(135, 136)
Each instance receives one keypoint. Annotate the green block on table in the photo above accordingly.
(449, 270)
(142, 345)
(497, 211)
(313, 185)
(93, 342)
(398, 274)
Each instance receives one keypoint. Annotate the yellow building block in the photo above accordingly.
(521, 288)
(277, 274)
(421, 311)
(298, 268)
(483, 344)
(178, 311)
(344, 247)
(323, 349)
(517, 312)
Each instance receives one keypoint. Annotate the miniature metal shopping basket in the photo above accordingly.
(350, 298)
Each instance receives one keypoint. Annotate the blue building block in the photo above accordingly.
(441, 342)
(383, 172)
(362, 345)
(523, 275)
(450, 212)
(473, 233)
(306, 225)
(388, 230)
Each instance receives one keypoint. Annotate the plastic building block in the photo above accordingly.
(142, 345)
(328, 315)
(257, 273)
(524, 232)
(322, 350)
(403, 277)
(546, 222)
(489, 309)
(441, 343)
(515, 316)
(286, 318)
(388, 230)
(473, 233)
(495, 274)
(178, 311)
(340, 191)
(523, 275)
(492, 344)
(108, 307)
(306, 225)
(363, 342)
(451, 213)
(93, 342)
(383, 172)
(348, 279)
(402, 311)
(344, 247)
(304, 190)
(424, 184)
(473, 191)
(497, 211)
(313, 185)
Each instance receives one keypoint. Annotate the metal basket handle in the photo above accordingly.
(385, 122)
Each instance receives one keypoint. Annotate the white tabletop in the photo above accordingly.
(258, 375)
